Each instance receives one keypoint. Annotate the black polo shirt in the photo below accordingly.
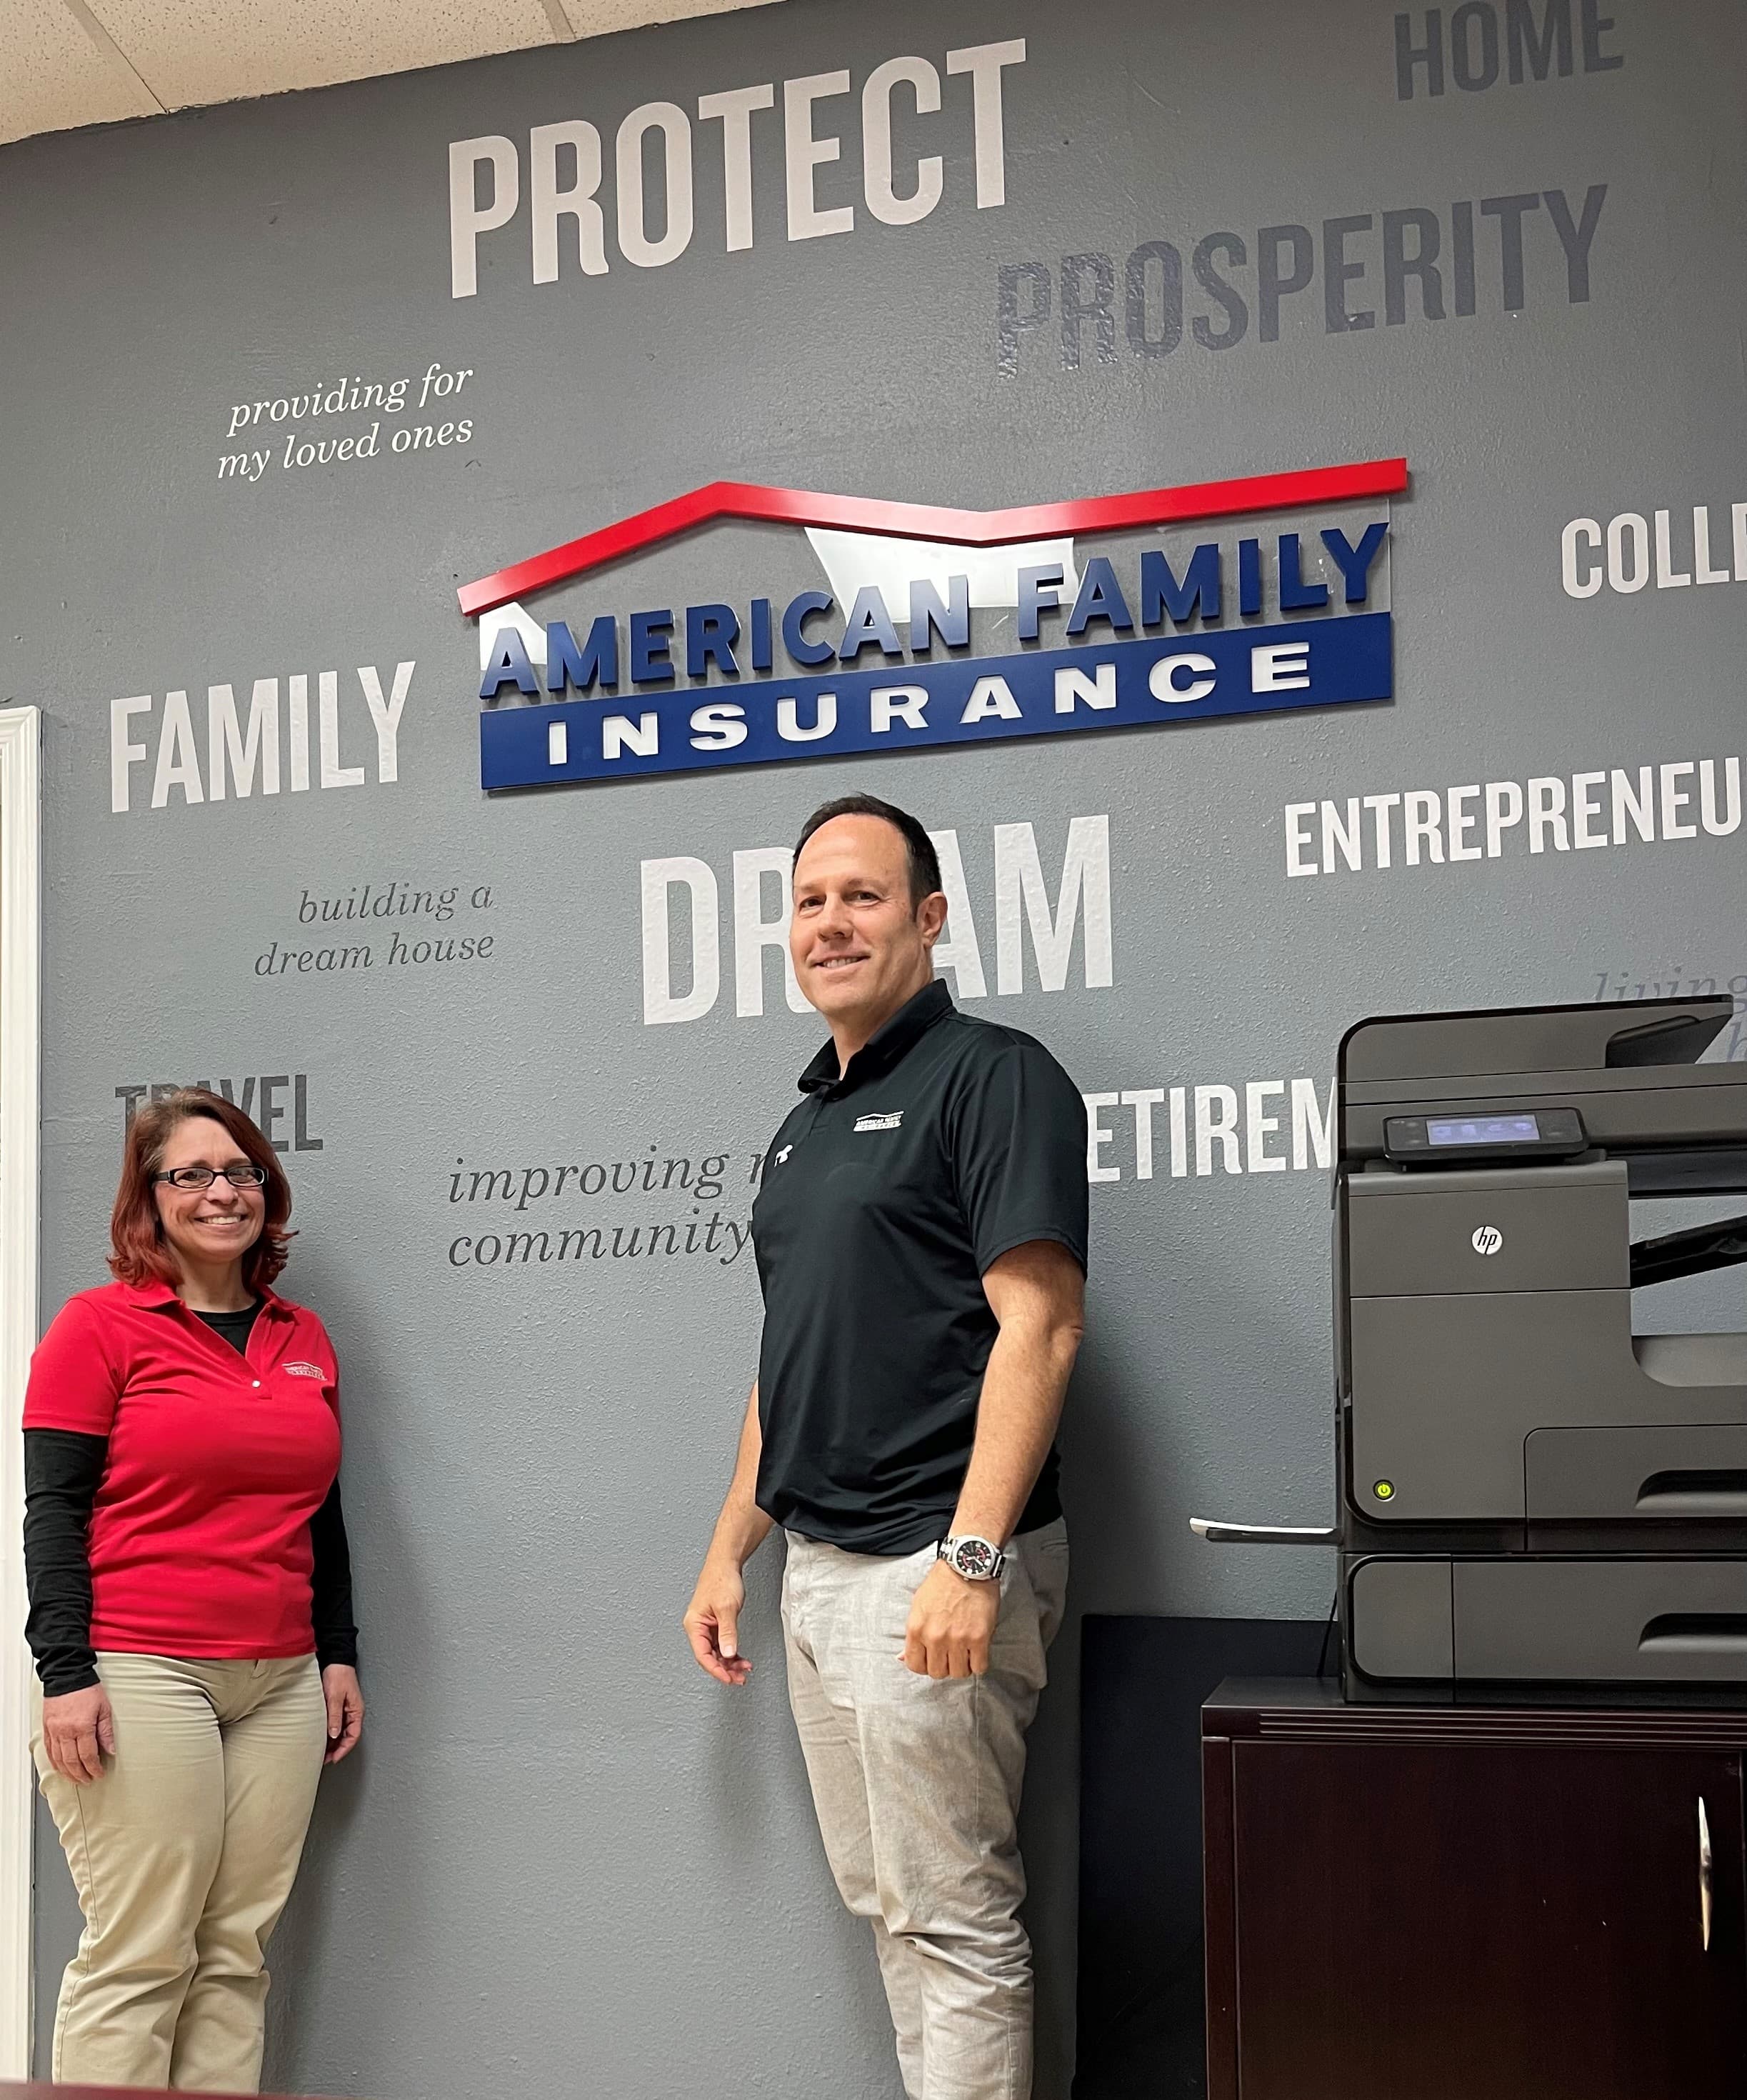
(883, 1200)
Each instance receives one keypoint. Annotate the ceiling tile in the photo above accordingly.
(203, 52)
(52, 75)
(599, 18)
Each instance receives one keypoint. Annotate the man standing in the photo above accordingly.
(921, 1234)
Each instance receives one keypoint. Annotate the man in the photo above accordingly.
(920, 1235)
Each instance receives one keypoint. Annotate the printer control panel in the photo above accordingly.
(1459, 1136)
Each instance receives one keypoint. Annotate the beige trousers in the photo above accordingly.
(916, 1784)
(184, 1853)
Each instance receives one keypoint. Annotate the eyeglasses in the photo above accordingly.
(240, 1174)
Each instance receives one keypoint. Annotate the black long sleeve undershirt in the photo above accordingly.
(331, 1584)
(62, 1470)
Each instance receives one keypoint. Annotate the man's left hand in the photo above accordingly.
(952, 1625)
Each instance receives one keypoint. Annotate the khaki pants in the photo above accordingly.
(184, 1853)
(916, 1784)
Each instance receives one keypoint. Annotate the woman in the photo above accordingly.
(190, 1603)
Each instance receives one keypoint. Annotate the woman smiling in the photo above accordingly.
(190, 1603)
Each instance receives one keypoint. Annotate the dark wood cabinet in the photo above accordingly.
(1472, 1904)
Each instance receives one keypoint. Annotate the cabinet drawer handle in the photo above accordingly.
(1704, 1877)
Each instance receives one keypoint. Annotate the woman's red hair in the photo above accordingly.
(140, 1253)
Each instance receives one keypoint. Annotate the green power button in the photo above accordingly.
(1384, 1490)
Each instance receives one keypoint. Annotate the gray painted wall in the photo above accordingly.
(564, 1855)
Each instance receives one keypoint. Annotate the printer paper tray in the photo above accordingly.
(1625, 1621)
(1664, 1469)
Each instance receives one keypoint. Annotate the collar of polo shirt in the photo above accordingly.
(156, 1293)
(885, 1046)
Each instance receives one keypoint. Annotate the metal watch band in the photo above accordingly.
(975, 1560)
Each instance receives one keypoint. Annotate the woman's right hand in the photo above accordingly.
(78, 1728)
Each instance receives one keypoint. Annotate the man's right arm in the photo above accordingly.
(712, 1618)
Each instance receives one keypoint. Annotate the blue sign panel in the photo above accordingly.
(1053, 692)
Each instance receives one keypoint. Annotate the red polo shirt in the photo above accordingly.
(199, 1539)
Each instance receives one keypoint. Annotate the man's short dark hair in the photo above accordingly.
(919, 848)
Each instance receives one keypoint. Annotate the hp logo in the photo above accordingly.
(1487, 1239)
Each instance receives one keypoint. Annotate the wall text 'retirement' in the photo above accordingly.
(1265, 1127)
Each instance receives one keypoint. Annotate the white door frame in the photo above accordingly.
(20, 1074)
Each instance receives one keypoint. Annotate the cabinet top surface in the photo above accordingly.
(1300, 1709)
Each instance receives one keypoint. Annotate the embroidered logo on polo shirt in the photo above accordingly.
(880, 1122)
(305, 1371)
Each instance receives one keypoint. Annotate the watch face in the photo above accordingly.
(974, 1557)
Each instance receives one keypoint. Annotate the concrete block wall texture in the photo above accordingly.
(1170, 244)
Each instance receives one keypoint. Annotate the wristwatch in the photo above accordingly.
(975, 1559)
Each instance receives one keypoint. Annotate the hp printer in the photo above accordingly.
(1534, 1499)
